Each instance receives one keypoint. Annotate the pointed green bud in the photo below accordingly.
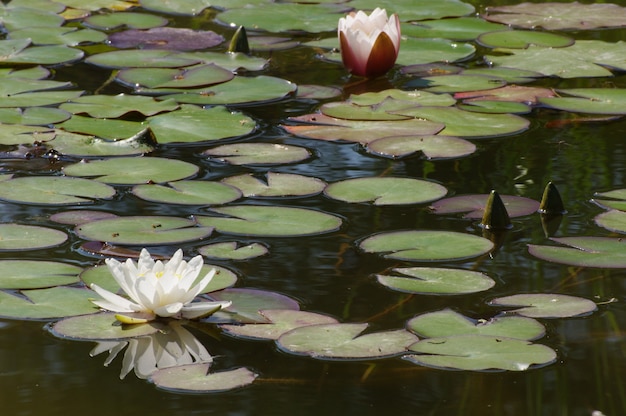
(495, 217)
(239, 42)
(551, 202)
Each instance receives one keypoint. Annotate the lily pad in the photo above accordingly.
(69, 36)
(275, 184)
(460, 82)
(104, 128)
(523, 39)
(144, 58)
(270, 221)
(448, 323)
(426, 245)
(480, 353)
(80, 216)
(436, 281)
(246, 305)
(408, 10)
(81, 145)
(546, 305)
(473, 205)
(172, 38)
(100, 326)
(33, 116)
(14, 17)
(187, 193)
(14, 53)
(559, 16)
(143, 231)
(279, 322)
(33, 274)
(613, 220)
(258, 153)
(114, 106)
(589, 100)
(385, 191)
(194, 124)
(196, 378)
(56, 302)
(108, 21)
(604, 252)
(231, 250)
(431, 147)
(459, 28)
(195, 76)
(54, 190)
(615, 199)
(133, 170)
(508, 93)
(38, 98)
(29, 237)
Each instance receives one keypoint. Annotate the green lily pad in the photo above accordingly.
(546, 305)
(108, 21)
(94, 5)
(342, 341)
(233, 61)
(523, 39)
(104, 128)
(510, 75)
(459, 28)
(143, 231)
(460, 82)
(54, 190)
(194, 124)
(246, 304)
(473, 205)
(32, 274)
(270, 221)
(240, 90)
(171, 38)
(559, 16)
(143, 58)
(14, 18)
(14, 134)
(402, 98)
(408, 10)
(81, 145)
(468, 124)
(431, 147)
(322, 127)
(279, 322)
(69, 36)
(613, 220)
(101, 276)
(589, 100)
(189, 77)
(56, 302)
(275, 184)
(38, 98)
(385, 191)
(480, 353)
(14, 52)
(495, 107)
(508, 93)
(183, 7)
(231, 250)
(615, 199)
(80, 216)
(448, 323)
(423, 51)
(33, 116)
(426, 245)
(196, 378)
(187, 193)
(604, 252)
(585, 58)
(436, 281)
(100, 326)
(133, 170)
(114, 106)
(29, 237)
(257, 153)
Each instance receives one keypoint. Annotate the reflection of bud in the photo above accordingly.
(169, 348)
(369, 44)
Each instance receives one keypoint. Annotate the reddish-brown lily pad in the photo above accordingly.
(166, 38)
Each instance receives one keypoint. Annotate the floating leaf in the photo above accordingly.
(172, 38)
(108, 21)
(385, 191)
(14, 18)
(508, 93)
(69, 36)
(438, 281)
(279, 322)
(143, 231)
(80, 216)
(104, 128)
(602, 252)
(342, 341)
(275, 184)
(270, 221)
(460, 82)
(473, 205)
(187, 193)
(258, 153)
(56, 302)
(408, 10)
(189, 77)
(480, 353)
(33, 116)
(144, 58)
(100, 326)
(448, 323)
(523, 39)
(546, 305)
(39, 98)
(231, 250)
(246, 305)
(14, 134)
(81, 145)
(133, 170)
(54, 190)
(32, 274)
(195, 378)
(615, 199)
(460, 28)
(29, 237)
(426, 245)
(44, 55)
(113, 106)
(432, 147)
(589, 100)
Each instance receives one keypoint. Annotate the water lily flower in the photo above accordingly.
(157, 288)
(369, 44)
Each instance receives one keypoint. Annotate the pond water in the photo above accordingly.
(328, 273)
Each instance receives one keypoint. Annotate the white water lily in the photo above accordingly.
(157, 288)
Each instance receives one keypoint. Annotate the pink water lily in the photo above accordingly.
(369, 44)
(156, 288)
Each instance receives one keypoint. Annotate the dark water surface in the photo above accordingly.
(43, 375)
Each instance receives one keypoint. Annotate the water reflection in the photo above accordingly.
(170, 347)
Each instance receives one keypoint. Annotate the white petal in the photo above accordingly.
(169, 310)
(199, 309)
(113, 302)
